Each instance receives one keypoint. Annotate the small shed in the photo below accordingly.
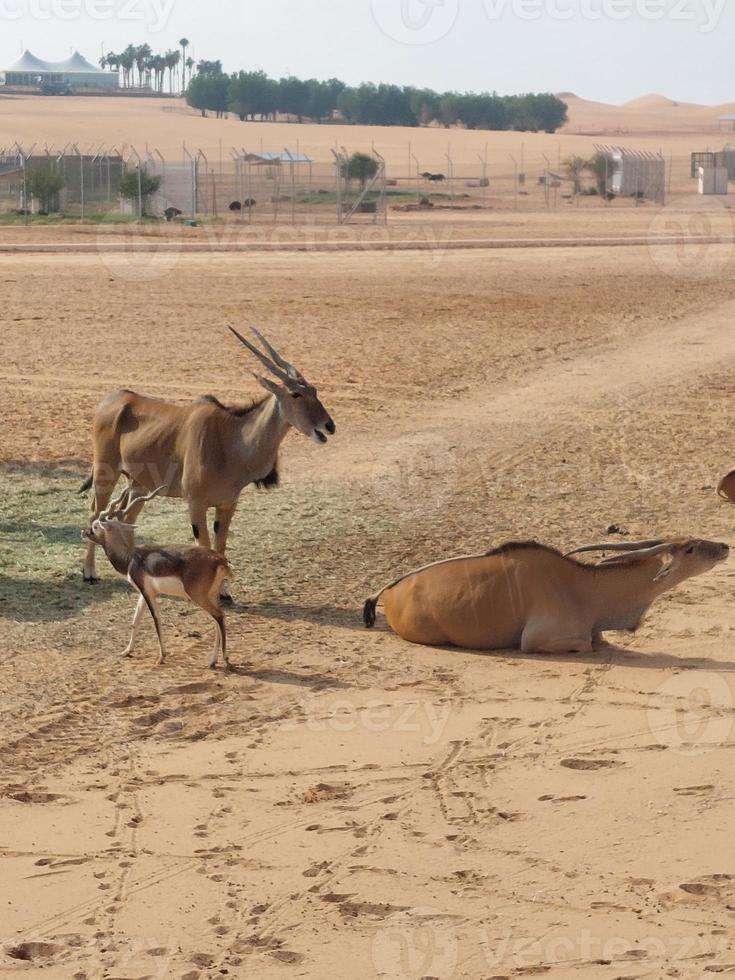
(713, 180)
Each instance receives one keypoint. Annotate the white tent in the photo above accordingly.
(74, 73)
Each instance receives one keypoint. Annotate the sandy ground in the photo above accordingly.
(343, 803)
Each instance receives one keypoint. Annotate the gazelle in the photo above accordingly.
(529, 596)
(203, 452)
(185, 571)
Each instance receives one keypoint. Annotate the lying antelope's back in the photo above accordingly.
(474, 601)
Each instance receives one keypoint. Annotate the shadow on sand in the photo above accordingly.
(32, 600)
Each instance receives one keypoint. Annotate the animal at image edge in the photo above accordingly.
(204, 452)
(185, 571)
(529, 596)
(726, 487)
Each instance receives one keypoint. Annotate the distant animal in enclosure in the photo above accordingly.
(726, 487)
(171, 213)
(249, 202)
(435, 177)
(530, 596)
(184, 571)
(204, 452)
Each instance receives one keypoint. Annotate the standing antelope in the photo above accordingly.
(203, 452)
(529, 596)
(184, 571)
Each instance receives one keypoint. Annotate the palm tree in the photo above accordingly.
(190, 67)
(103, 62)
(157, 64)
(172, 58)
(127, 61)
(183, 44)
(143, 54)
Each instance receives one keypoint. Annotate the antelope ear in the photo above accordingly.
(668, 565)
(266, 383)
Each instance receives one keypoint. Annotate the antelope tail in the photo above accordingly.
(368, 611)
(87, 485)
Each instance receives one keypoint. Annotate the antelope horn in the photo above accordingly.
(141, 500)
(111, 506)
(659, 549)
(281, 375)
(616, 546)
(280, 361)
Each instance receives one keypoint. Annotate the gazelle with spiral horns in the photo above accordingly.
(185, 571)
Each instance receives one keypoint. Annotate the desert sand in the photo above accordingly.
(343, 803)
(652, 123)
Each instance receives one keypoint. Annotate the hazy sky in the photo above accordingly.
(610, 50)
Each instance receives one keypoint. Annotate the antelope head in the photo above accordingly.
(109, 529)
(297, 399)
(681, 558)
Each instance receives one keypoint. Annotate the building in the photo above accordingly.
(75, 74)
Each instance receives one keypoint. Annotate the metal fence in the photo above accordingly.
(273, 187)
(286, 186)
(89, 182)
(634, 174)
(721, 158)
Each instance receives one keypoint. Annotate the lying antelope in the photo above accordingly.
(529, 596)
(185, 571)
(203, 452)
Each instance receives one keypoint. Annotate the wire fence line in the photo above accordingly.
(276, 186)
(287, 186)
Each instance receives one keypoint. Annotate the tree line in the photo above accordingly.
(254, 95)
(141, 67)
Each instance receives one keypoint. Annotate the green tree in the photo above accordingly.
(45, 184)
(139, 187)
(209, 91)
(360, 167)
(574, 168)
(251, 94)
(143, 54)
(601, 169)
(293, 97)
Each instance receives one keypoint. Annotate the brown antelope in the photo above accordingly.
(204, 452)
(184, 571)
(529, 596)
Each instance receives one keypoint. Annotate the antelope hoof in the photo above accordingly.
(91, 579)
(226, 599)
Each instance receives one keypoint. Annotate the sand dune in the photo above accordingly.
(651, 122)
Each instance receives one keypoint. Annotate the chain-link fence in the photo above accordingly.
(268, 187)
